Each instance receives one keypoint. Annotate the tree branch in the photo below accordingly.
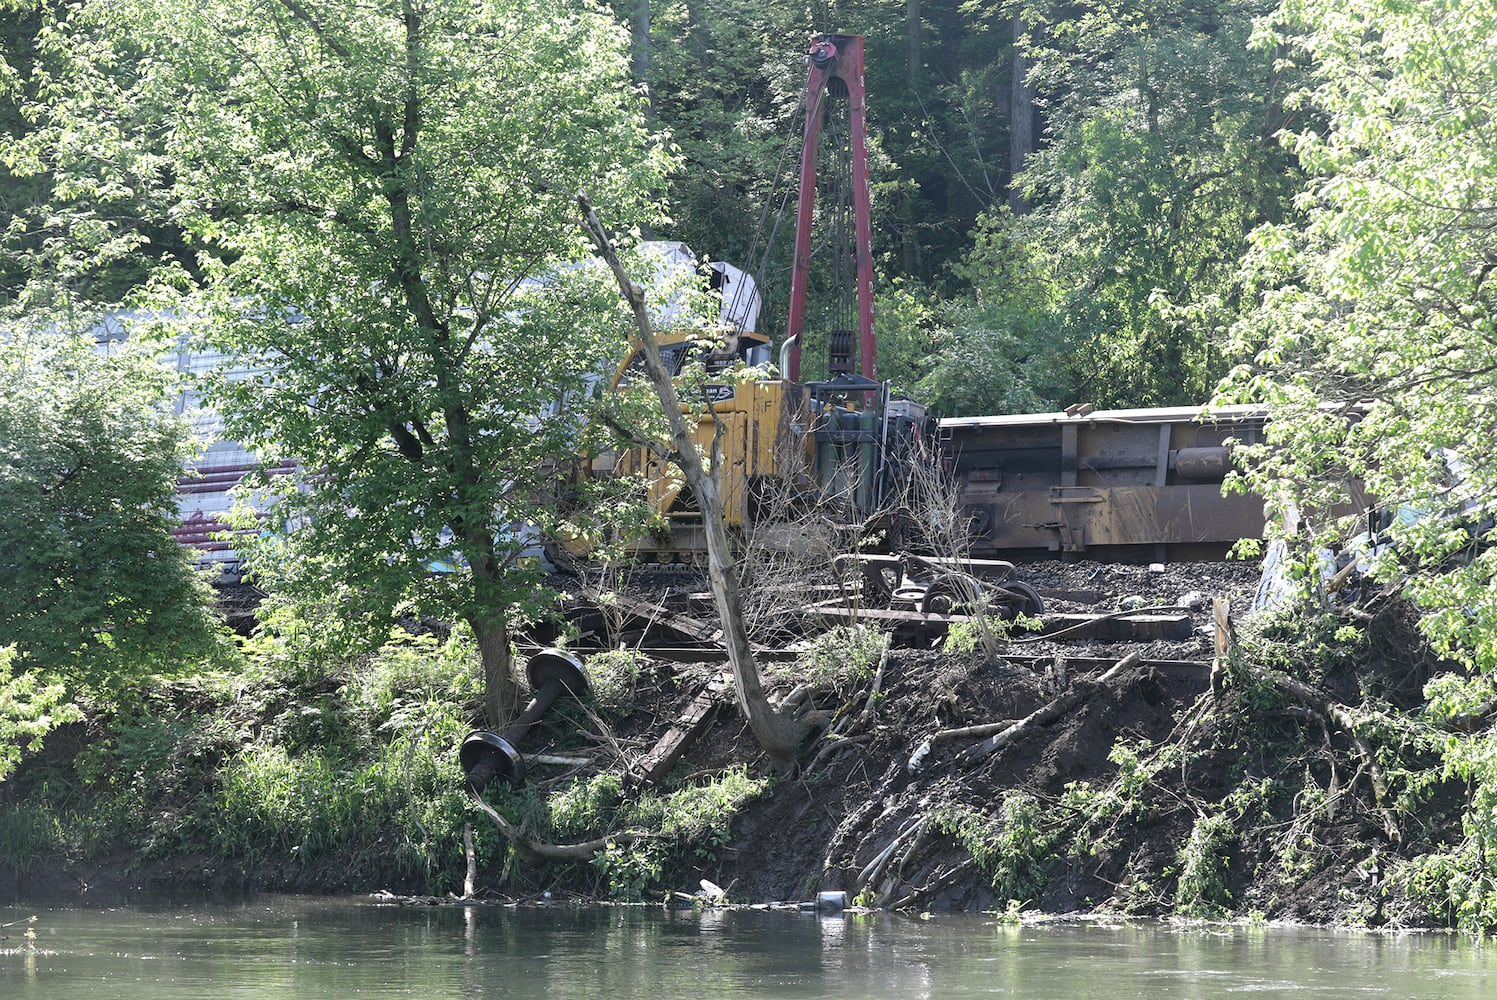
(536, 851)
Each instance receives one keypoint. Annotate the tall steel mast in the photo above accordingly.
(834, 60)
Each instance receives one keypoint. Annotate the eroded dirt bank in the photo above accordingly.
(1115, 774)
(1150, 788)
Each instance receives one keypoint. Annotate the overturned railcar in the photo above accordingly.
(1115, 484)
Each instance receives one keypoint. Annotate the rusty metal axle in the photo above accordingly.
(486, 754)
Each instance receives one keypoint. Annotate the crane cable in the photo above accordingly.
(775, 188)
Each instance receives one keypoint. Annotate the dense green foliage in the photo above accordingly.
(317, 773)
(1077, 239)
(94, 590)
(1300, 199)
(1160, 157)
(30, 708)
(366, 190)
(1376, 310)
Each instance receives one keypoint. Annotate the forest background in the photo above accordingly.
(1120, 203)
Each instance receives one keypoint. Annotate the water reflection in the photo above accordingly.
(318, 948)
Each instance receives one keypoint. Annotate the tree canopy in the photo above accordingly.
(94, 589)
(357, 195)
(370, 192)
(1373, 333)
(1375, 303)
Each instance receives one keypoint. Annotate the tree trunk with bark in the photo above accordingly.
(640, 54)
(1020, 119)
(501, 695)
(779, 734)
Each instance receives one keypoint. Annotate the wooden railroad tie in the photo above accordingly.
(684, 732)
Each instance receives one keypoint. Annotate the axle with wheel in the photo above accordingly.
(486, 754)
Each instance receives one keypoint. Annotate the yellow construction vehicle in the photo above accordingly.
(1138, 483)
(780, 441)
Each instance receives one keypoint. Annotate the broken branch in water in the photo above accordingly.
(536, 851)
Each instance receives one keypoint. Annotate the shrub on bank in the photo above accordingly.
(341, 775)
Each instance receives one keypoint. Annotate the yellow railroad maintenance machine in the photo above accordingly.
(1121, 484)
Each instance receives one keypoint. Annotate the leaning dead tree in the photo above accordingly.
(779, 733)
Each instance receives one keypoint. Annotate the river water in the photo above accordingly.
(313, 948)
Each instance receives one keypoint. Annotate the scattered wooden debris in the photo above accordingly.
(647, 618)
(925, 628)
(1007, 733)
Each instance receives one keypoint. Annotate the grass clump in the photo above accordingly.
(688, 825)
(613, 675)
(841, 658)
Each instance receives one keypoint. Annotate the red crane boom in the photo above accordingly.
(836, 61)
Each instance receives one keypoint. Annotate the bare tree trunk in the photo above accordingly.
(1020, 120)
(912, 43)
(779, 735)
(914, 64)
(640, 43)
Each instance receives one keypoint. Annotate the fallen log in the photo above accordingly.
(1145, 624)
(966, 732)
(658, 616)
(1142, 623)
(678, 654)
(684, 732)
(1198, 670)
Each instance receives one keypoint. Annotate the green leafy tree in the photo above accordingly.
(30, 708)
(368, 188)
(1002, 349)
(17, 194)
(1376, 353)
(1158, 159)
(93, 587)
(1377, 304)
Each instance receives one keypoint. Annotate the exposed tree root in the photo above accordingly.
(536, 851)
(1340, 716)
(874, 870)
(834, 747)
(1045, 714)
(935, 885)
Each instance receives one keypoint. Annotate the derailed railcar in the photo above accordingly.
(1144, 483)
(205, 489)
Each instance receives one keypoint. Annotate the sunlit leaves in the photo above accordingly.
(93, 587)
(1375, 318)
(379, 200)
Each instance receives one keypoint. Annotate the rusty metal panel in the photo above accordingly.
(1077, 519)
(1201, 514)
(1111, 516)
(1111, 478)
(1004, 520)
(1117, 454)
